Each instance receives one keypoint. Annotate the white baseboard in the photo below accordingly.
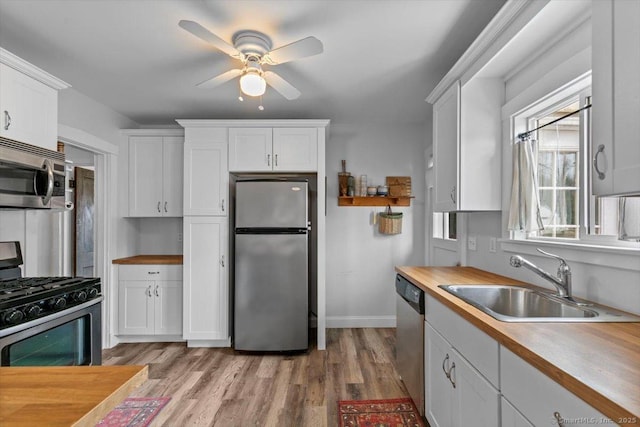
(361, 321)
(150, 338)
(209, 343)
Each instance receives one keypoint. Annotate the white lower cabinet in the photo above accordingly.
(511, 417)
(540, 399)
(150, 300)
(206, 289)
(457, 394)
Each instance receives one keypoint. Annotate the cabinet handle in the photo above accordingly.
(268, 159)
(149, 290)
(7, 120)
(453, 195)
(446, 359)
(559, 419)
(157, 291)
(159, 207)
(276, 159)
(450, 376)
(601, 174)
(153, 272)
(165, 207)
(222, 260)
(222, 205)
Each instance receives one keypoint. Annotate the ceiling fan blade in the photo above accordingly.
(281, 85)
(206, 35)
(300, 49)
(219, 79)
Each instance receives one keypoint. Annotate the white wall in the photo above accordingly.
(360, 261)
(158, 236)
(614, 282)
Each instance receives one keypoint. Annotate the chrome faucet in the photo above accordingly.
(562, 282)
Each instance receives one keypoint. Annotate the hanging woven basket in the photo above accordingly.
(390, 222)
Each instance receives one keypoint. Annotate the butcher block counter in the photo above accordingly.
(64, 395)
(598, 362)
(150, 259)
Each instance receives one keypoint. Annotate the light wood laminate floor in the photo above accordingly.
(221, 387)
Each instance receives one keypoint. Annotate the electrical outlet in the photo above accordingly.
(179, 237)
(492, 244)
(472, 243)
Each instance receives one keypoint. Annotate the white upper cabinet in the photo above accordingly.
(28, 102)
(615, 150)
(250, 149)
(155, 176)
(273, 149)
(295, 149)
(446, 135)
(466, 146)
(206, 180)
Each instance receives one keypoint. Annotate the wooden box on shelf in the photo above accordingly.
(374, 201)
(399, 186)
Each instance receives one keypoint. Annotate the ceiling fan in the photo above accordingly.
(254, 49)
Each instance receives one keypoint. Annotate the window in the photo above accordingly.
(445, 225)
(561, 151)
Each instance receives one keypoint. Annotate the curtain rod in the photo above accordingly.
(525, 135)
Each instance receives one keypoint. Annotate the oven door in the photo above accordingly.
(67, 338)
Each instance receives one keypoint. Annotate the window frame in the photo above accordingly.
(522, 121)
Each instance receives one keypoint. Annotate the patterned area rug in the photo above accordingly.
(379, 413)
(134, 412)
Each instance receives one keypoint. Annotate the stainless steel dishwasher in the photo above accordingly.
(410, 339)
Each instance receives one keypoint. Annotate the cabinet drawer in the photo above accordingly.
(150, 272)
(538, 397)
(478, 348)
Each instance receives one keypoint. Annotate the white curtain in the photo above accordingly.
(524, 210)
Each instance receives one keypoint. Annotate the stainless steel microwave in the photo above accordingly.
(31, 177)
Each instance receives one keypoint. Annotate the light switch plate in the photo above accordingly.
(472, 243)
(492, 244)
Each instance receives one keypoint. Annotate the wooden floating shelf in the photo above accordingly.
(374, 201)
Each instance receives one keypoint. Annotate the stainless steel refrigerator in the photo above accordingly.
(271, 292)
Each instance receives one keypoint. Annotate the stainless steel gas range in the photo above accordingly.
(47, 321)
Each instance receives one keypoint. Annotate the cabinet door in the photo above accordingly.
(626, 95)
(206, 179)
(135, 307)
(510, 416)
(295, 149)
(476, 402)
(446, 137)
(29, 109)
(145, 176)
(542, 397)
(173, 176)
(438, 388)
(206, 297)
(616, 97)
(250, 149)
(168, 307)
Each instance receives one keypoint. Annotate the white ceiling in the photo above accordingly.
(381, 57)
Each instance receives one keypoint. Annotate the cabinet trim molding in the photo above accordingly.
(31, 70)
(288, 123)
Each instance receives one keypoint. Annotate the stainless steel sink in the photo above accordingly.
(519, 304)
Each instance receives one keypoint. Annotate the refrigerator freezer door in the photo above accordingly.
(271, 292)
(271, 204)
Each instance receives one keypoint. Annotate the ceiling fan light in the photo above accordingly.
(252, 84)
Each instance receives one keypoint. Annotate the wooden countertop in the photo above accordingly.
(150, 259)
(599, 362)
(64, 395)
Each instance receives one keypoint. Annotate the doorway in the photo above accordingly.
(80, 239)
